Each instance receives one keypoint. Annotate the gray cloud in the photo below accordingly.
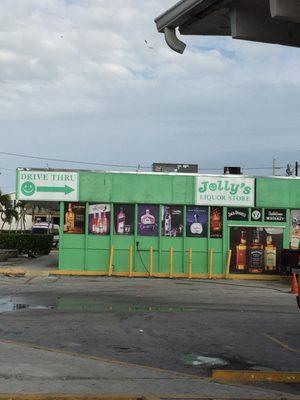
(78, 81)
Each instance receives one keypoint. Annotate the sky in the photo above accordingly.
(79, 82)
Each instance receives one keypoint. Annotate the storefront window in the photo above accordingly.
(295, 229)
(256, 250)
(124, 219)
(74, 222)
(216, 222)
(172, 221)
(148, 220)
(196, 221)
(99, 219)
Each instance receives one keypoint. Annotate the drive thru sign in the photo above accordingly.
(47, 185)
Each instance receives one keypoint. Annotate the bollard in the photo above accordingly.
(130, 261)
(111, 257)
(228, 262)
(171, 262)
(211, 263)
(190, 263)
(151, 261)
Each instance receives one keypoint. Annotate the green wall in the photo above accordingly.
(91, 253)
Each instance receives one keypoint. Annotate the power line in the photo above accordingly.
(111, 165)
(72, 161)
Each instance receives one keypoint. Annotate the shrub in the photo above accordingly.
(27, 243)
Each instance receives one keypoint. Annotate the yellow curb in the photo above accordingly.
(65, 397)
(12, 272)
(256, 376)
(258, 277)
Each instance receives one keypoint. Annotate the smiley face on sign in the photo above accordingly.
(28, 188)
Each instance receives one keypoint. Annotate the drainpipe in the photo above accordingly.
(172, 40)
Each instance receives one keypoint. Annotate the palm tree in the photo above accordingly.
(21, 206)
(7, 211)
(5, 201)
(7, 216)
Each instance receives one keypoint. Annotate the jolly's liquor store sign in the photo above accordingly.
(225, 191)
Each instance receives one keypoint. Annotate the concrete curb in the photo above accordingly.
(256, 376)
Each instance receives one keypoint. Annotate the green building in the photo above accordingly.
(169, 225)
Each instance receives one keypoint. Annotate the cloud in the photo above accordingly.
(86, 63)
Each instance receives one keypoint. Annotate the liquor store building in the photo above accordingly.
(170, 225)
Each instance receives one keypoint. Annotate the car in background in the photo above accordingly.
(47, 229)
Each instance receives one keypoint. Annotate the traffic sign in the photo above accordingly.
(47, 185)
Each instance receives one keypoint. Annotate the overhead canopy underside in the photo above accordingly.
(268, 21)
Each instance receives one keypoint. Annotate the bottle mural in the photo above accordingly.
(69, 219)
(172, 221)
(216, 224)
(74, 218)
(196, 221)
(241, 253)
(99, 219)
(270, 254)
(256, 253)
(256, 250)
(124, 219)
(295, 229)
(148, 220)
(121, 222)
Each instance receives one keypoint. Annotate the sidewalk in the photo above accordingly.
(23, 265)
(49, 371)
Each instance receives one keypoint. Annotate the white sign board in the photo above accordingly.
(47, 185)
(225, 191)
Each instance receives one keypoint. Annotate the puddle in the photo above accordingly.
(11, 304)
(83, 305)
(203, 361)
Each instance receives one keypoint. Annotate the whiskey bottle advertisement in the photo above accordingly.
(99, 219)
(256, 250)
(216, 222)
(74, 222)
(196, 221)
(172, 221)
(124, 219)
(148, 220)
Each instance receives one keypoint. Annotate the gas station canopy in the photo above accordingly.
(268, 21)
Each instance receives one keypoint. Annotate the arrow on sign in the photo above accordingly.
(55, 189)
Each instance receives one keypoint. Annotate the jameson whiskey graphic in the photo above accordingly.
(241, 253)
(121, 222)
(256, 254)
(270, 255)
(69, 219)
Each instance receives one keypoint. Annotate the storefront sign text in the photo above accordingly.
(235, 191)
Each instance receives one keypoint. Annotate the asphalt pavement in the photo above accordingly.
(158, 336)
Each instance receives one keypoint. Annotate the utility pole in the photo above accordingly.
(274, 166)
(296, 168)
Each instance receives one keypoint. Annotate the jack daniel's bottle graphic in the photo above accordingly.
(241, 253)
(270, 255)
(256, 254)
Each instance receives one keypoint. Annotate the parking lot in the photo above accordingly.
(54, 330)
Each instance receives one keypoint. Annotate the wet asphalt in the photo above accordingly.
(187, 326)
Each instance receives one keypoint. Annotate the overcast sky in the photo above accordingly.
(78, 82)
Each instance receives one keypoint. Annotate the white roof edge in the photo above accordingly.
(163, 173)
(175, 15)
